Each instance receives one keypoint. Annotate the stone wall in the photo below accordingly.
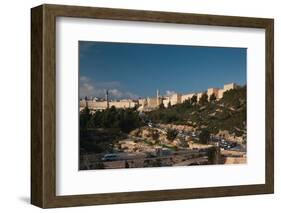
(175, 99)
(214, 91)
(187, 96)
(151, 103)
(166, 102)
(101, 105)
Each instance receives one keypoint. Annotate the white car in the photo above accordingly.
(110, 157)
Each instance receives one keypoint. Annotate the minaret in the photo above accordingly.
(107, 99)
(157, 96)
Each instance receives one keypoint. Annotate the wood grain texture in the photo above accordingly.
(36, 106)
(269, 118)
(43, 105)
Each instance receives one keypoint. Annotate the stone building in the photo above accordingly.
(226, 87)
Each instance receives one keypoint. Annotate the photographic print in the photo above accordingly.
(158, 105)
(154, 97)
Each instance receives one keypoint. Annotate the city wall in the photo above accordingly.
(150, 103)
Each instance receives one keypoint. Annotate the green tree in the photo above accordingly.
(161, 106)
(85, 116)
(155, 135)
(204, 136)
(213, 98)
(124, 119)
(172, 134)
(204, 99)
(194, 99)
(169, 105)
(236, 103)
(187, 103)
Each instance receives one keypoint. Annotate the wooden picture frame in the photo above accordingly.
(43, 105)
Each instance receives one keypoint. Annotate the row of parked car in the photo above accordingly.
(227, 145)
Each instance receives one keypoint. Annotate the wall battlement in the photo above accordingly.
(150, 103)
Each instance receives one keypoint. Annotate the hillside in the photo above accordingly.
(226, 114)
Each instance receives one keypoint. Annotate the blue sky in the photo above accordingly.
(130, 70)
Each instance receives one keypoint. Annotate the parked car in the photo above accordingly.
(150, 124)
(110, 157)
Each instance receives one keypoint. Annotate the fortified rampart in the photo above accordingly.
(150, 103)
